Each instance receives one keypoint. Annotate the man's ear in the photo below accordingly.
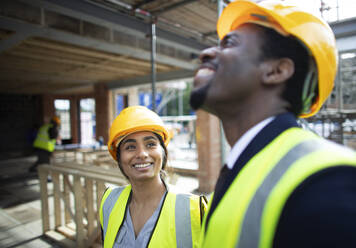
(276, 71)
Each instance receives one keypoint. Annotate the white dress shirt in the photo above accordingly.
(243, 142)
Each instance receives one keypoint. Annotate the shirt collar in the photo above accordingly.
(245, 139)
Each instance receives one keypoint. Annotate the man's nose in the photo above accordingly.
(208, 54)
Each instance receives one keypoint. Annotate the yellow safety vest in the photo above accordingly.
(248, 213)
(43, 141)
(178, 224)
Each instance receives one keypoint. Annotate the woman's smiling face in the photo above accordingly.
(141, 156)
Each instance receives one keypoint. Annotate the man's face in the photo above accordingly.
(229, 74)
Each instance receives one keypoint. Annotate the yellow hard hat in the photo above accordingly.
(310, 30)
(134, 119)
(56, 120)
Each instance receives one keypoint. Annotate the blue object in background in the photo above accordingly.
(119, 103)
(145, 99)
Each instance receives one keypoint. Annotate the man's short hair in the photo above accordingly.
(277, 46)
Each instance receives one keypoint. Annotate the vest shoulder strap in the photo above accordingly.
(114, 209)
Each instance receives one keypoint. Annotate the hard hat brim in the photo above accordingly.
(149, 128)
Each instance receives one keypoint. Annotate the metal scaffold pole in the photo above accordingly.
(221, 6)
(223, 142)
(153, 63)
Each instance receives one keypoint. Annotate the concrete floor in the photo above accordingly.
(20, 205)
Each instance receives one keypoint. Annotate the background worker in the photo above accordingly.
(282, 186)
(45, 142)
(146, 213)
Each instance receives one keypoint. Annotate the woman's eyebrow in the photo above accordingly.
(129, 140)
(149, 137)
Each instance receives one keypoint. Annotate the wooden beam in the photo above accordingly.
(13, 41)
(141, 3)
(60, 47)
(172, 6)
(116, 21)
(89, 43)
(164, 76)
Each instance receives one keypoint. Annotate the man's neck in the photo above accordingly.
(237, 125)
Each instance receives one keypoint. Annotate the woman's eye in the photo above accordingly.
(130, 147)
(152, 144)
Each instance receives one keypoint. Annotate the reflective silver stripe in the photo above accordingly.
(108, 206)
(251, 226)
(182, 218)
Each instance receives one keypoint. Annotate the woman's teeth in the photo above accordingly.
(142, 165)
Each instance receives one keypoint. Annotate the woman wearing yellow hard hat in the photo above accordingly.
(146, 213)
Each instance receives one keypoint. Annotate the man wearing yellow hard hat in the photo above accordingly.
(282, 186)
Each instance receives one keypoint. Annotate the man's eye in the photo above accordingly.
(229, 42)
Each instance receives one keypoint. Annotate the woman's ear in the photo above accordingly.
(276, 71)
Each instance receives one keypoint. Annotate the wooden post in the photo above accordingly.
(66, 187)
(79, 211)
(90, 205)
(56, 200)
(44, 199)
(100, 188)
(85, 154)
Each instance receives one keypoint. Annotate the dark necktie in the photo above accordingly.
(219, 191)
(222, 178)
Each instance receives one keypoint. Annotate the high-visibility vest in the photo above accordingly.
(43, 141)
(248, 213)
(178, 224)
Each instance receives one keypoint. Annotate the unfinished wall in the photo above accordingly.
(19, 115)
(103, 109)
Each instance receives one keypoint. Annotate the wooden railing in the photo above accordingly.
(84, 156)
(77, 192)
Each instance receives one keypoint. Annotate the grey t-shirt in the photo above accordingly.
(126, 235)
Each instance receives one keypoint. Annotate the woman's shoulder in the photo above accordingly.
(115, 190)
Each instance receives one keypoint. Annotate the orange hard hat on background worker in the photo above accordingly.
(56, 120)
(313, 32)
(134, 119)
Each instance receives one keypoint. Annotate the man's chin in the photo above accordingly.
(198, 97)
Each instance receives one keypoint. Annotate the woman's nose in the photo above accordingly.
(142, 152)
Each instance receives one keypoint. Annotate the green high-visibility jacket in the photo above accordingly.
(43, 140)
(178, 224)
(248, 213)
